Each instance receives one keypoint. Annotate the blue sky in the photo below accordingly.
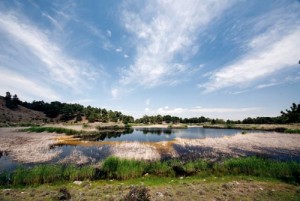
(220, 59)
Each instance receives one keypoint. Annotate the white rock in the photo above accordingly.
(77, 182)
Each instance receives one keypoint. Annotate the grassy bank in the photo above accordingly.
(283, 128)
(67, 131)
(53, 130)
(121, 169)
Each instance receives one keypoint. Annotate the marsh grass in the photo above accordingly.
(50, 173)
(52, 130)
(123, 169)
(292, 131)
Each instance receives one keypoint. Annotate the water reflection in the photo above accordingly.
(161, 134)
(157, 131)
(101, 136)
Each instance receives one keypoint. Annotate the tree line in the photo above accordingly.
(68, 111)
(291, 115)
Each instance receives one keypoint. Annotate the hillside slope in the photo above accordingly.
(20, 114)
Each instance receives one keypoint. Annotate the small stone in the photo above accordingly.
(226, 186)
(180, 177)
(261, 189)
(145, 175)
(159, 194)
(201, 192)
(77, 182)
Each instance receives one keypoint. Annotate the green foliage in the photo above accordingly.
(292, 115)
(11, 103)
(122, 169)
(115, 168)
(160, 168)
(292, 131)
(41, 174)
(52, 130)
(259, 167)
(68, 111)
(4, 178)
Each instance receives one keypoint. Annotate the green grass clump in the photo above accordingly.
(51, 173)
(52, 130)
(160, 168)
(254, 166)
(292, 131)
(122, 168)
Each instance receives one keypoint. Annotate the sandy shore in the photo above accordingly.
(36, 147)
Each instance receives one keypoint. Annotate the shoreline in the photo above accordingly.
(37, 147)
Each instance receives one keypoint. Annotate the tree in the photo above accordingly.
(7, 96)
(11, 103)
(292, 115)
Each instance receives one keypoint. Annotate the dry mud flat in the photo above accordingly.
(36, 147)
(28, 147)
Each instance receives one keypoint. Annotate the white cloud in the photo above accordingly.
(115, 93)
(104, 40)
(148, 102)
(271, 52)
(24, 87)
(108, 32)
(225, 113)
(119, 49)
(126, 56)
(165, 32)
(53, 21)
(62, 69)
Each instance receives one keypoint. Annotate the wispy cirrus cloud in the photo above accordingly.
(270, 52)
(54, 63)
(219, 112)
(165, 32)
(18, 84)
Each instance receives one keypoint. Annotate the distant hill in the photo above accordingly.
(13, 110)
(20, 114)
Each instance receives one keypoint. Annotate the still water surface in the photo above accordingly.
(164, 134)
(136, 134)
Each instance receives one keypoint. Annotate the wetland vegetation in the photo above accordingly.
(123, 169)
(149, 149)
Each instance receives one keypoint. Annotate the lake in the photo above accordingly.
(164, 134)
(98, 153)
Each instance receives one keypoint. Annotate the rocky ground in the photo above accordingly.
(163, 189)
